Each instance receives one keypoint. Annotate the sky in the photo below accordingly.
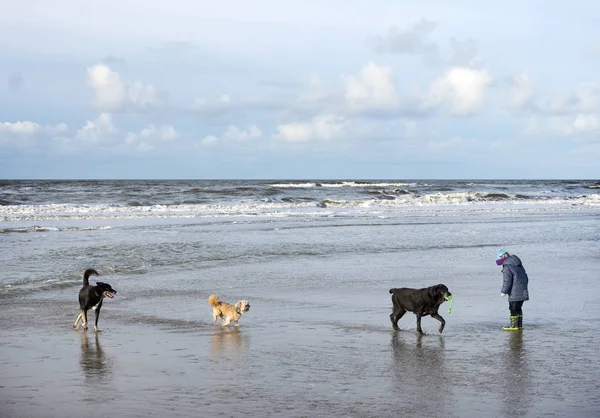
(299, 89)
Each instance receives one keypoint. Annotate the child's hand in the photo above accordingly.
(502, 294)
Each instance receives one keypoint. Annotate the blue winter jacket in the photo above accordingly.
(515, 279)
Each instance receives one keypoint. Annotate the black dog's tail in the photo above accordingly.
(87, 274)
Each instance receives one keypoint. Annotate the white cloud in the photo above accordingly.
(319, 92)
(464, 53)
(463, 88)
(585, 99)
(31, 128)
(109, 89)
(375, 89)
(232, 134)
(408, 41)
(586, 123)
(97, 131)
(209, 140)
(320, 128)
(20, 128)
(147, 138)
(112, 93)
(163, 133)
(236, 134)
(521, 91)
(142, 96)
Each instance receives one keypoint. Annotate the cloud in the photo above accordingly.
(233, 134)
(521, 91)
(324, 127)
(585, 99)
(583, 126)
(25, 134)
(20, 128)
(374, 89)
(28, 128)
(462, 88)
(146, 139)
(236, 134)
(408, 41)
(163, 133)
(112, 93)
(464, 53)
(98, 131)
(102, 132)
(586, 123)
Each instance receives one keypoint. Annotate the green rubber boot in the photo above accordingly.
(514, 324)
(520, 322)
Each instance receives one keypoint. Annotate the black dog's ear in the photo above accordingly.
(100, 284)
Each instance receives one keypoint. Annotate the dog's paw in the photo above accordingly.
(96, 329)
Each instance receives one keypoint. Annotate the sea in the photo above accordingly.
(315, 259)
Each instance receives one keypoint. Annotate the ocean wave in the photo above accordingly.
(339, 184)
(280, 207)
(37, 228)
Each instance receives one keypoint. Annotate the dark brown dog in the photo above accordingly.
(421, 302)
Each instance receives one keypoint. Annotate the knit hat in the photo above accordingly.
(502, 254)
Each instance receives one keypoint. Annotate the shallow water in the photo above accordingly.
(317, 340)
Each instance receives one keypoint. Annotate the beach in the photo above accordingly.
(316, 269)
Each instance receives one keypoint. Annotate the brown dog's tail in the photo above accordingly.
(86, 276)
(213, 301)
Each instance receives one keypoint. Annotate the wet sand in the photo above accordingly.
(306, 364)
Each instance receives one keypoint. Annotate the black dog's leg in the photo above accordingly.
(395, 317)
(76, 324)
(97, 317)
(84, 312)
(439, 318)
(419, 330)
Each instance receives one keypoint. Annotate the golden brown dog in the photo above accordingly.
(226, 311)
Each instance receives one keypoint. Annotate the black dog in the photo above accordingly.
(421, 302)
(91, 297)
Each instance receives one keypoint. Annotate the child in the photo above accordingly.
(515, 286)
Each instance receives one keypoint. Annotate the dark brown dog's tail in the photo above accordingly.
(87, 274)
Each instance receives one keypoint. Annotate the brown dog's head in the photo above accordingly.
(242, 306)
(439, 292)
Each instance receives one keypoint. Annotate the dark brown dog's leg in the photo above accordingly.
(439, 318)
(395, 317)
(419, 330)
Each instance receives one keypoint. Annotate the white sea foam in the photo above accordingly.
(457, 201)
(340, 184)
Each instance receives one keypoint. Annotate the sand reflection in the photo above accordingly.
(516, 383)
(419, 373)
(93, 360)
(228, 340)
